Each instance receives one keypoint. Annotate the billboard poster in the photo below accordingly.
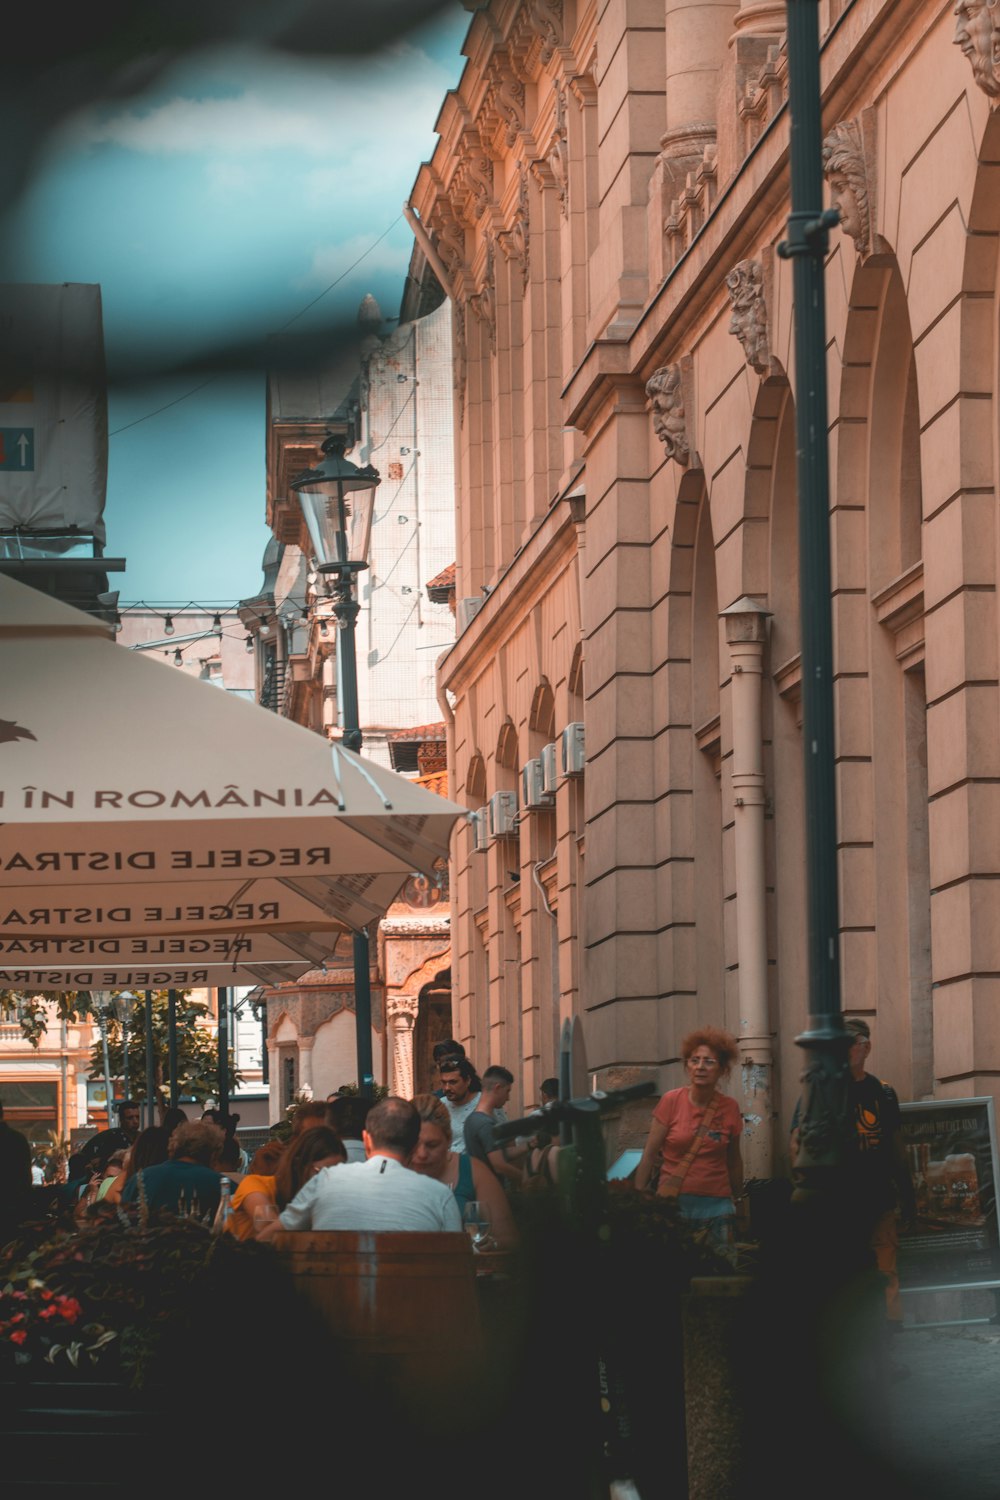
(950, 1145)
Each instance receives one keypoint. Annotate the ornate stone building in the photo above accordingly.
(604, 208)
(389, 397)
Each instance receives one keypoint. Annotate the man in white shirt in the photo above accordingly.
(380, 1194)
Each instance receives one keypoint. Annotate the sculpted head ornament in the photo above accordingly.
(745, 284)
(666, 393)
(844, 165)
(977, 33)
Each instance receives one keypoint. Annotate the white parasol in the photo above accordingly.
(125, 782)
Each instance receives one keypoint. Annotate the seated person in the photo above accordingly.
(186, 1183)
(260, 1196)
(380, 1193)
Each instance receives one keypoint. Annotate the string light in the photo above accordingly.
(178, 658)
(168, 625)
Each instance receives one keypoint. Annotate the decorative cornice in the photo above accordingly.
(438, 926)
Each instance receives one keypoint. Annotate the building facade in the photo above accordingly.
(604, 208)
(389, 397)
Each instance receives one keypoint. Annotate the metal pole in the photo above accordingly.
(109, 1094)
(824, 1124)
(346, 610)
(124, 1005)
(222, 1003)
(172, 1045)
(150, 1061)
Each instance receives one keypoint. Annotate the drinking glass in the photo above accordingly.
(263, 1214)
(476, 1223)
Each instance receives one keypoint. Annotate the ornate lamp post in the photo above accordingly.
(337, 499)
(824, 1121)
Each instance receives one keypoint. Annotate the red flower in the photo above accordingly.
(17, 1318)
(49, 1312)
(69, 1308)
(19, 1337)
(46, 1294)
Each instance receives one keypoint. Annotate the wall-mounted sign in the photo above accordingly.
(952, 1150)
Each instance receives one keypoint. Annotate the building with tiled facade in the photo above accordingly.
(603, 209)
(389, 398)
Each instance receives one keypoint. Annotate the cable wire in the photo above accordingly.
(293, 319)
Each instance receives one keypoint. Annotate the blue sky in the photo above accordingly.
(215, 208)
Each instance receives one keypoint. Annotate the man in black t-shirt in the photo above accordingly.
(880, 1176)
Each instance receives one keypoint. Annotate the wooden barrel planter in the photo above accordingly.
(396, 1306)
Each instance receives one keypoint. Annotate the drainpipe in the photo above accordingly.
(746, 629)
(434, 260)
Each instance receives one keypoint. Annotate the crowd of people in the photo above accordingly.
(419, 1164)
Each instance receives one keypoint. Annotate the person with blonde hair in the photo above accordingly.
(470, 1180)
(692, 1152)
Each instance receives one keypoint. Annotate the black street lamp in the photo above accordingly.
(825, 1126)
(337, 499)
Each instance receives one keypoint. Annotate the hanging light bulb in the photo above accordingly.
(217, 625)
(168, 625)
(178, 658)
(324, 629)
(248, 643)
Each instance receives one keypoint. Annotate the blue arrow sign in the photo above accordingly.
(17, 449)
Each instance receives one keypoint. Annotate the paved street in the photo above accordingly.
(939, 1431)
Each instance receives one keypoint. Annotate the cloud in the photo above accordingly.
(252, 103)
(329, 262)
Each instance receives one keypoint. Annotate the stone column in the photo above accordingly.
(696, 37)
(746, 626)
(305, 1065)
(273, 1084)
(402, 1015)
(761, 18)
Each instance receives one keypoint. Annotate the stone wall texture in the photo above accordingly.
(606, 200)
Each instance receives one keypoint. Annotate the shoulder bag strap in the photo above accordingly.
(671, 1186)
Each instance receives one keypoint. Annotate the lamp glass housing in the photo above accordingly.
(337, 500)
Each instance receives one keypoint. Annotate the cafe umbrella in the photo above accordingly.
(121, 777)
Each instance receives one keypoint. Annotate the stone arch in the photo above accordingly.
(706, 770)
(542, 715)
(881, 696)
(574, 681)
(434, 1022)
(507, 746)
(475, 780)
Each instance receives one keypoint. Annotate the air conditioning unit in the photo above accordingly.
(533, 793)
(573, 755)
(480, 831)
(550, 769)
(503, 814)
(466, 611)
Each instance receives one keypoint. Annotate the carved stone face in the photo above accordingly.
(976, 33)
(846, 204)
(749, 320)
(666, 395)
(668, 424)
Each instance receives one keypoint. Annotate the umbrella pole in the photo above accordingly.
(346, 609)
(222, 1003)
(172, 1045)
(150, 1061)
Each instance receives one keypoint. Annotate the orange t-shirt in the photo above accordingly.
(240, 1222)
(708, 1174)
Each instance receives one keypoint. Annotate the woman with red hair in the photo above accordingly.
(693, 1149)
